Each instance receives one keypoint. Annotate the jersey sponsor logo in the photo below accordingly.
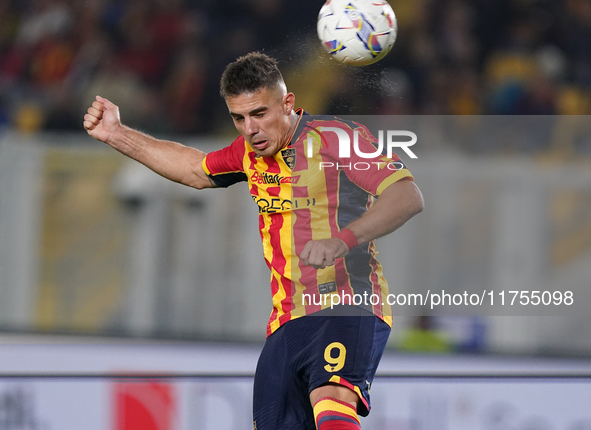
(272, 204)
(304, 202)
(265, 178)
(290, 180)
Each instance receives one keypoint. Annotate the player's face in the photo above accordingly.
(263, 118)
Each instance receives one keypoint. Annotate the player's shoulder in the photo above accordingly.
(318, 123)
(228, 158)
(328, 130)
(315, 122)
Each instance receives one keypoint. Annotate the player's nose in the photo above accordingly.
(251, 127)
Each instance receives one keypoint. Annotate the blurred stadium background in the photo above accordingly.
(107, 268)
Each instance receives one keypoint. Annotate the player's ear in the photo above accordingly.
(288, 103)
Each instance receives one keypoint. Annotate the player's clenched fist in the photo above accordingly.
(102, 119)
(323, 253)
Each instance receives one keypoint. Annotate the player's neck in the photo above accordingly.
(295, 119)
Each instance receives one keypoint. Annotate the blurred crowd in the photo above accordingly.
(499, 57)
(160, 60)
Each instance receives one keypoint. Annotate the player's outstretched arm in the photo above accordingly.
(172, 160)
(395, 206)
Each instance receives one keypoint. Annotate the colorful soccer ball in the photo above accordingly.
(357, 32)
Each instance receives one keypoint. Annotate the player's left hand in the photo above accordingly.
(323, 253)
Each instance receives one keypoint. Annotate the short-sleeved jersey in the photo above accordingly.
(311, 190)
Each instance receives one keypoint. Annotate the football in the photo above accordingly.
(357, 32)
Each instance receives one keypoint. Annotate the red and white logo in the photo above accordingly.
(272, 179)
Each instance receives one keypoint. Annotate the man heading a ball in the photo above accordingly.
(317, 227)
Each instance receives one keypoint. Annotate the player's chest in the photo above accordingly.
(284, 183)
(270, 182)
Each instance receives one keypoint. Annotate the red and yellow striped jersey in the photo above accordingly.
(309, 191)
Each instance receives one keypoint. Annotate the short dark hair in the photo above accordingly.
(250, 73)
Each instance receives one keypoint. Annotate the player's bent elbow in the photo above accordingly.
(418, 208)
(418, 202)
(414, 197)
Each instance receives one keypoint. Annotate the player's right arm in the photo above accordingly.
(172, 160)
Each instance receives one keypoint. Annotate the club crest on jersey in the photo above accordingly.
(289, 156)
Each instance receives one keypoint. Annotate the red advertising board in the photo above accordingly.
(144, 405)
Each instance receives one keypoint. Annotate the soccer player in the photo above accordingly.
(321, 205)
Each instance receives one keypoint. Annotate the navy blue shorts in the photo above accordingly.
(311, 351)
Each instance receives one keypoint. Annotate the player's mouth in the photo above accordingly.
(260, 145)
